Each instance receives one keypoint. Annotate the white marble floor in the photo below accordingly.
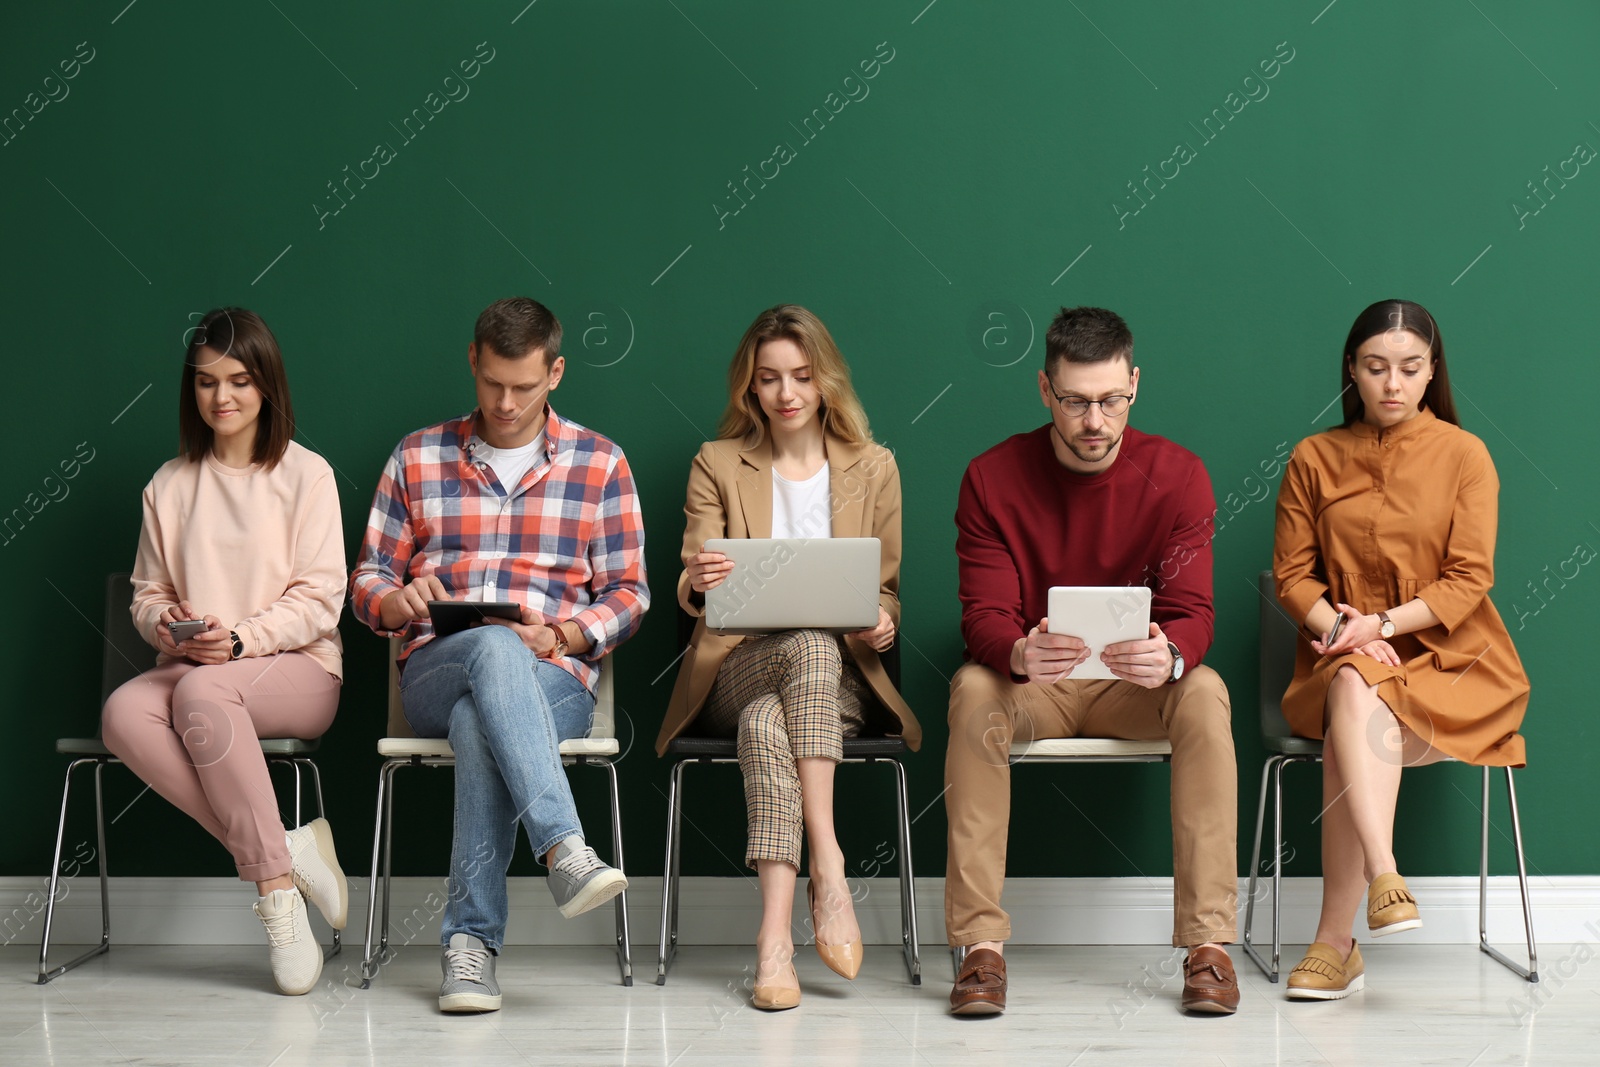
(1070, 1007)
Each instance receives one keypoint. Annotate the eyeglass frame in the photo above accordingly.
(1062, 398)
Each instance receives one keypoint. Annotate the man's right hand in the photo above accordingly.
(410, 603)
(1046, 658)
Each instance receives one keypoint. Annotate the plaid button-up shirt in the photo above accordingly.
(567, 541)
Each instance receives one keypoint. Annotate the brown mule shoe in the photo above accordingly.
(980, 988)
(1209, 983)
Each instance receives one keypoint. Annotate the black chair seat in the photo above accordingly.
(94, 748)
(1292, 746)
(728, 747)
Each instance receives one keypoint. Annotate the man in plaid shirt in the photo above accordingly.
(508, 503)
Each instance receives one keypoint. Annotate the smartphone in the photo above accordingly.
(184, 629)
(1338, 624)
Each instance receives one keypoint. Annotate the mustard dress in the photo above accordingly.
(1375, 518)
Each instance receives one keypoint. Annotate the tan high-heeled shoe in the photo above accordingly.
(843, 960)
(769, 997)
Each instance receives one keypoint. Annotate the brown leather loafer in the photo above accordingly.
(1209, 983)
(980, 988)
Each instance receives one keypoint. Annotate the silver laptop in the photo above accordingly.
(795, 583)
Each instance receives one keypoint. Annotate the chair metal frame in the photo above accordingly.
(1278, 634)
(125, 656)
(436, 752)
(667, 947)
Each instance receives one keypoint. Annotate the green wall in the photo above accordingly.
(931, 223)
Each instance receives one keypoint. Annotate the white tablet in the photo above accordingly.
(795, 583)
(1099, 615)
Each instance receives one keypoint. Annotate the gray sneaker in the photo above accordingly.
(469, 983)
(580, 881)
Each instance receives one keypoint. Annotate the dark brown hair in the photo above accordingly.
(1087, 335)
(1382, 317)
(241, 335)
(517, 325)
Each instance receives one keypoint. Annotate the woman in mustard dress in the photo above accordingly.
(1386, 528)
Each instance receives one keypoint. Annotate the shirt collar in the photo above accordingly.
(1420, 421)
(557, 434)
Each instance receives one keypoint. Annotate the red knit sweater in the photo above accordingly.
(1024, 523)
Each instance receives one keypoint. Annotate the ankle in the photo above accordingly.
(1372, 871)
(1340, 943)
(283, 881)
(997, 947)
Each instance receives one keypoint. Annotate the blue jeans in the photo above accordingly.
(505, 712)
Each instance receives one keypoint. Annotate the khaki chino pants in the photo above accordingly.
(988, 712)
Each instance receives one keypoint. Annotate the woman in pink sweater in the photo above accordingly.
(241, 535)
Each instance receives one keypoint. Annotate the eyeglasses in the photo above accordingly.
(1076, 406)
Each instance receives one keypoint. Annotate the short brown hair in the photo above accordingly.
(1087, 335)
(517, 325)
(241, 335)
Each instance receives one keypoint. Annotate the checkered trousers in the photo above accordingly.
(786, 696)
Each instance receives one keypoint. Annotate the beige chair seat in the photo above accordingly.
(1090, 748)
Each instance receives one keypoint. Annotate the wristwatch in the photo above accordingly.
(1385, 625)
(238, 645)
(1177, 663)
(560, 648)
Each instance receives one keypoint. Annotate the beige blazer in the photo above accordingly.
(730, 495)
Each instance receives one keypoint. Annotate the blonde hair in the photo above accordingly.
(841, 411)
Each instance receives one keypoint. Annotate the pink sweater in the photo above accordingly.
(261, 550)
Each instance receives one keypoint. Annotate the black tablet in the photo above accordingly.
(453, 616)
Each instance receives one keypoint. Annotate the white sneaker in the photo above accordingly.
(316, 871)
(296, 956)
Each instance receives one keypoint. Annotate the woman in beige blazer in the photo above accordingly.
(794, 458)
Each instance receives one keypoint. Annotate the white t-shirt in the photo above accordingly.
(802, 509)
(510, 464)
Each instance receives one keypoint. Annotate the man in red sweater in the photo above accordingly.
(1087, 500)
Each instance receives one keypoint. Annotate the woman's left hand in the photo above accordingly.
(1381, 651)
(881, 636)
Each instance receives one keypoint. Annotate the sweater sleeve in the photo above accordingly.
(153, 589)
(1467, 573)
(1182, 603)
(988, 582)
(310, 605)
(1296, 556)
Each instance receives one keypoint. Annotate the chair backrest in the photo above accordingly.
(126, 655)
(604, 724)
(1279, 639)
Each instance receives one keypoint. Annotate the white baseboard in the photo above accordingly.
(1044, 911)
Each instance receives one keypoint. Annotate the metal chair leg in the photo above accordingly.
(316, 787)
(908, 884)
(667, 947)
(45, 971)
(624, 948)
(1530, 972)
(388, 860)
(369, 963)
(1246, 936)
(298, 792)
